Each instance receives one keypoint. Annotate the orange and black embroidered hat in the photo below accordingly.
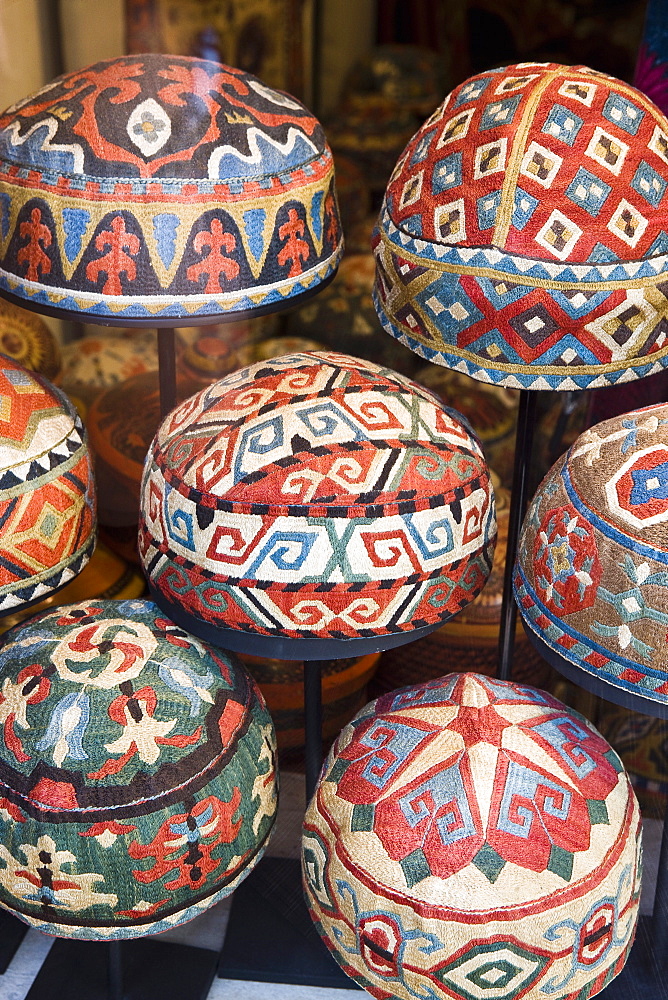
(152, 188)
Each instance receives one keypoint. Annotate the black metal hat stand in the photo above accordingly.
(146, 968)
(13, 930)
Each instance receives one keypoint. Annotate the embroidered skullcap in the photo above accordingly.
(47, 494)
(590, 579)
(137, 774)
(522, 239)
(471, 838)
(315, 496)
(155, 187)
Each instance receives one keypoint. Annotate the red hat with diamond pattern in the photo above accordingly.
(523, 239)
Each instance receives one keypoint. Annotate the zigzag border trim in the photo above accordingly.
(538, 377)
(36, 588)
(494, 263)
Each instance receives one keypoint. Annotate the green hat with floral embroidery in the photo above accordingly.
(137, 772)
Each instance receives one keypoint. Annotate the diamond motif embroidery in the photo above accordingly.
(149, 127)
(497, 970)
(514, 83)
(534, 325)
(562, 124)
(472, 90)
(490, 158)
(578, 91)
(447, 173)
(540, 164)
(622, 326)
(525, 206)
(412, 190)
(570, 357)
(499, 113)
(487, 207)
(630, 321)
(577, 303)
(659, 144)
(461, 311)
(620, 111)
(588, 191)
(450, 222)
(648, 183)
(456, 127)
(627, 223)
(559, 235)
(409, 318)
(421, 150)
(607, 150)
(500, 293)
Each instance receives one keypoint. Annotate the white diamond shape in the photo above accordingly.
(149, 127)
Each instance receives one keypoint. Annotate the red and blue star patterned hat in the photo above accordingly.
(523, 239)
(153, 187)
(473, 838)
(590, 578)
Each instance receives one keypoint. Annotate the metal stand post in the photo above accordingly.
(312, 724)
(271, 902)
(115, 970)
(526, 418)
(167, 369)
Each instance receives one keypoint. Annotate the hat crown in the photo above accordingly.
(34, 417)
(115, 696)
(553, 162)
(318, 428)
(157, 116)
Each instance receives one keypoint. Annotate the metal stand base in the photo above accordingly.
(151, 970)
(12, 932)
(270, 936)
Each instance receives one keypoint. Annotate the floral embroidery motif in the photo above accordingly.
(132, 758)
